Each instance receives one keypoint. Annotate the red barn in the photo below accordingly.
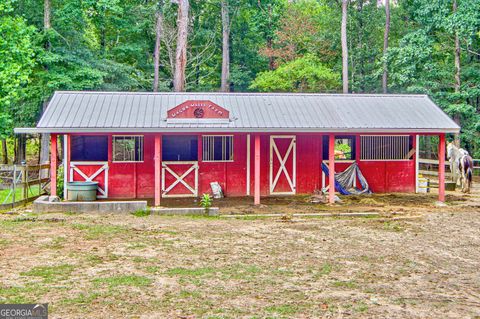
(154, 145)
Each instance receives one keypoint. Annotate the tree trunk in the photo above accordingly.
(45, 138)
(344, 46)
(46, 14)
(21, 147)
(225, 81)
(4, 151)
(158, 38)
(181, 55)
(456, 117)
(385, 46)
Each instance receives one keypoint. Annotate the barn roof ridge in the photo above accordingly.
(376, 95)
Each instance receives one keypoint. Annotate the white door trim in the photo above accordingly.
(180, 179)
(291, 150)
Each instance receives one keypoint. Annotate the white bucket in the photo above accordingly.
(423, 185)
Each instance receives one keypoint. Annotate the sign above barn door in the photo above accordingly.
(198, 109)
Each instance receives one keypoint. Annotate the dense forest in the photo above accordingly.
(356, 46)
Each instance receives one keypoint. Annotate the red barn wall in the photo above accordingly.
(136, 180)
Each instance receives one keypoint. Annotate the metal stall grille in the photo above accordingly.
(385, 147)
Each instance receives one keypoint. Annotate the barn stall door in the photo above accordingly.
(180, 179)
(283, 164)
(91, 172)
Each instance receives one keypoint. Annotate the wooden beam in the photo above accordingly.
(257, 171)
(331, 168)
(157, 158)
(53, 164)
(441, 168)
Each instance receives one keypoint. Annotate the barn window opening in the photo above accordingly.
(344, 147)
(89, 148)
(386, 147)
(127, 148)
(217, 148)
(180, 148)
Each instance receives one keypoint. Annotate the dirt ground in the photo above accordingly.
(415, 260)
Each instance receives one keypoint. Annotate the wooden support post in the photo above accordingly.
(248, 165)
(257, 171)
(416, 145)
(53, 164)
(157, 157)
(441, 168)
(66, 164)
(331, 168)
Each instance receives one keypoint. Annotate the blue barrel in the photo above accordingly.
(82, 191)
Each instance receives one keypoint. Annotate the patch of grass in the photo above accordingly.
(71, 213)
(22, 294)
(94, 259)
(189, 294)
(152, 269)
(50, 273)
(361, 307)
(392, 226)
(81, 299)
(98, 231)
(32, 191)
(56, 243)
(4, 242)
(136, 245)
(326, 269)
(141, 213)
(202, 271)
(346, 284)
(282, 310)
(124, 280)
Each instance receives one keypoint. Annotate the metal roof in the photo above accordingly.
(253, 112)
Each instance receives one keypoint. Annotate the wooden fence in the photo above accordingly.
(429, 167)
(20, 184)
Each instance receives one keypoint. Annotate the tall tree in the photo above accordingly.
(457, 84)
(158, 39)
(385, 46)
(45, 138)
(344, 46)
(181, 53)
(225, 77)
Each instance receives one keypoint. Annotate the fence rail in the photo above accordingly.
(20, 184)
(430, 167)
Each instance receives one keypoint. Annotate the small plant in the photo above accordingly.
(206, 203)
(141, 213)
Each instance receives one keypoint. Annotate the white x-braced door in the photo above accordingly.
(179, 179)
(283, 164)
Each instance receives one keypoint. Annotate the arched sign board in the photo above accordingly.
(198, 109)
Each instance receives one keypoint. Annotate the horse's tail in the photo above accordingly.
(469, 175)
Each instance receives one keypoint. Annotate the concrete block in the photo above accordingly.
(43, 205)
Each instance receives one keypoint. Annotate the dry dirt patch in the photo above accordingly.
(178, 267)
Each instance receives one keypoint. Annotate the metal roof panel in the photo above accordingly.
(101, 110)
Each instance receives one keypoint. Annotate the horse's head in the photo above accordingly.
(450, 148)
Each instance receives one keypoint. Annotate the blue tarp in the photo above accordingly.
(344, 181)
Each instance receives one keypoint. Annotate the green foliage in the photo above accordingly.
(16, 63)
(305, 74)
(206, 202)
(60, 181)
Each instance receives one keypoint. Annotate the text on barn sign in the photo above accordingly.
(197, 109)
